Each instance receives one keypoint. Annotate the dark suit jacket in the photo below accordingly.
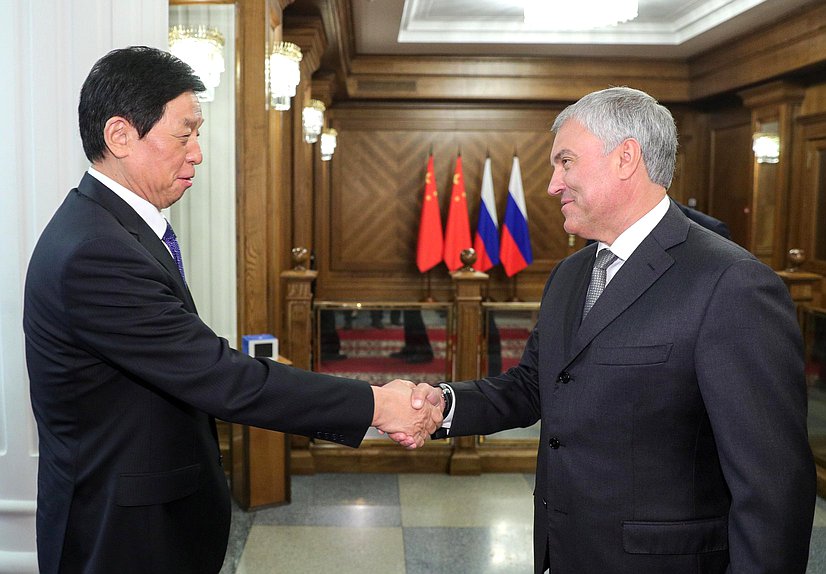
(705, 220)
(125, 379)
(673, 418)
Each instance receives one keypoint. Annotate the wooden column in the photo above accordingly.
(468, 307)
(298, 339)
(259, 457)
(308, 34)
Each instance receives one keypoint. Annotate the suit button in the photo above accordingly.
(564, 378)
(554, 443)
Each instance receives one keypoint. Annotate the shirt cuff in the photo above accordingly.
(449, 416)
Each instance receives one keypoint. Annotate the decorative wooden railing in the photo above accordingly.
(463, 352)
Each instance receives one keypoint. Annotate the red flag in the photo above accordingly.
(431, 242)
(457, 233)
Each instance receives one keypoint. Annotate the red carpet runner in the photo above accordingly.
(367, 351)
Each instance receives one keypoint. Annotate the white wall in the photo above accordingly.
(204, 220)
(46, 49)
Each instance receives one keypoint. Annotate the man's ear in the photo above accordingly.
(118, 134)
(630, 157)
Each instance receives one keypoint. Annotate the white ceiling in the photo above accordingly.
(663, 29)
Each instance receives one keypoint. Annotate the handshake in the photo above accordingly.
(406, 412)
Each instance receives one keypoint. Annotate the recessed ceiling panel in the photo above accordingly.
(677, 28)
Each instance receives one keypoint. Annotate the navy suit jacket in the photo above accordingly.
(673, 417)
(705, 220)
(125, 379)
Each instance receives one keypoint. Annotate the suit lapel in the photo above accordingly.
(573, 311)
(134, 224)
(648, 262)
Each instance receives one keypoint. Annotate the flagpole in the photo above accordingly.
(428, 298)
(513, 298)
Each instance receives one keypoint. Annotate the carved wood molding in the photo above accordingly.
(324, 87)
(812, 119)
(789, 45)
(484, 78)
(773, 93)
(308, 34)
(298, 299)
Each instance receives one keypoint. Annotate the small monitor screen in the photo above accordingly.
(262, 350)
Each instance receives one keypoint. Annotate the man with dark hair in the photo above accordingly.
(666, 366)
(125, 377)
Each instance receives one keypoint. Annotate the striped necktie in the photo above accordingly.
(604, 259)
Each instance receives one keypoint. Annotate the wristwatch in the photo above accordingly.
(447, 396)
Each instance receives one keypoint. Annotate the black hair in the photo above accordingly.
(134, 83)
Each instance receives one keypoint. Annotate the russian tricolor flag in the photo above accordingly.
(486, 242)
(515, 252)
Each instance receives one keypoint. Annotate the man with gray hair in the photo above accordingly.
(666, 367)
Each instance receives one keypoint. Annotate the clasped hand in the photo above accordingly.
(407, 412)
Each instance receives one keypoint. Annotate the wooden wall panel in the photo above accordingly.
(370, 212)
(730, 178)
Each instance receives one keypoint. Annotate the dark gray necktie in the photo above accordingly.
(172, 242)
(604, 260)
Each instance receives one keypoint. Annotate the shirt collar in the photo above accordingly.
(630, 239)
(148, 212)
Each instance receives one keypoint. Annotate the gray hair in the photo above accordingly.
(616, 114)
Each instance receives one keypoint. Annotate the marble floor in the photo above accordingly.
(404, 524)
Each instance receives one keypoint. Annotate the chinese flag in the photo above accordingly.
(430, 248)
(457, 232)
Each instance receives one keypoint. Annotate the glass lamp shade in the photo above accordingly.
(203, 49)
(328, 143)
(312, 120)
(766, 147)
(283, 74)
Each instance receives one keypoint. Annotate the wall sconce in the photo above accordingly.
(283, 74)
(312, 120)
(328, 143)
(766, 147)
(203, 49)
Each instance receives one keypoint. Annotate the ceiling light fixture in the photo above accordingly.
(580, 15)
(203, 49)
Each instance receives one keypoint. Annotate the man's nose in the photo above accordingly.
(556, 186)
(195, 156)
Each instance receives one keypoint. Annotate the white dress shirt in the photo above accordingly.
(628, 241)
(148, 212)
